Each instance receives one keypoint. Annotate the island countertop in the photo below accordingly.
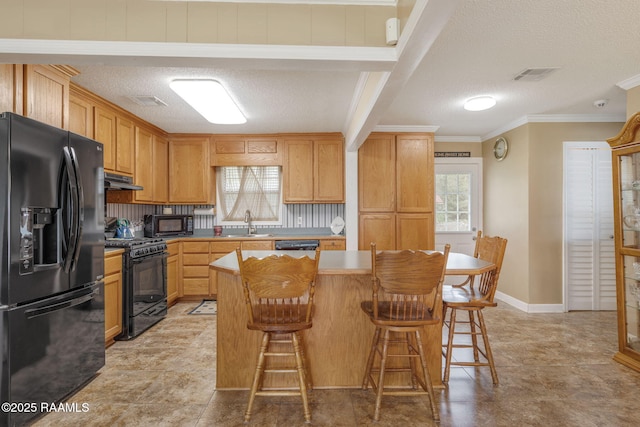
(351, 262)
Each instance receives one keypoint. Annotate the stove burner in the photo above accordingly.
(139, 246)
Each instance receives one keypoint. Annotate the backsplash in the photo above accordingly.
(313, 215)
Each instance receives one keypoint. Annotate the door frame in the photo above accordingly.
(465, 162)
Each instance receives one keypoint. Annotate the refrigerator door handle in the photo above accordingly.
(72, 256)
(79, 205)
(42, 311)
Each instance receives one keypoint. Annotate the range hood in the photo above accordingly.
(114, 181)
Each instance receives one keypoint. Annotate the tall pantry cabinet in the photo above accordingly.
(626, 206)
(395, 191)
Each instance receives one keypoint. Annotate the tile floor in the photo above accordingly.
(554, 370)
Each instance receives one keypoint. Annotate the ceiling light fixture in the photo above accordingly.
(210, 99)
(479, 103)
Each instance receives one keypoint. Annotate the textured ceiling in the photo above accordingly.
(450, 51)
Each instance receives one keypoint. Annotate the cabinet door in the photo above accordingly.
(189, 170)
(125, 136)
(105, 132)
(298, 171)
(328, 172)
(112, 296)
(80, 116)
(160, 169)
(415, 231)
(172, 279)
(415, 173)
(144, 165)
(11, 88)
(112, 306)
(377, 175)
(379, 228)
(47, 95)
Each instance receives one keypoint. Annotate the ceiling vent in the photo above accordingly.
(148, 101)
(533, 74)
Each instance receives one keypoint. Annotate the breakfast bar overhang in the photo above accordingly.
(338, 344)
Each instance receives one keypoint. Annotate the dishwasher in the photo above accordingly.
(296, 245)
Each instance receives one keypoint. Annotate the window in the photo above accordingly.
(254, 188)
(453, 195)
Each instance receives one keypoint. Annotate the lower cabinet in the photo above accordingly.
(333, 245)
(195, 269)
(392, 231)
(112, 296)
(173, 272)
(189, 276)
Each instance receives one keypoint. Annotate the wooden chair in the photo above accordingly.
(279, 294)
(472, 299)
(407, 288)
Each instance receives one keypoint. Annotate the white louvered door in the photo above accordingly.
(589, 259)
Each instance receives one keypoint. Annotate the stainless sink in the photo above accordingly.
(248, 235)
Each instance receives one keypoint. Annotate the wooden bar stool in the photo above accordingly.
(279, 294)
(407, 289)
(472, 299)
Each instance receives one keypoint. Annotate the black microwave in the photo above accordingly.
(168, 225)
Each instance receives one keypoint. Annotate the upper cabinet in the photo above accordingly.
(117, 135)
(46, 93)
(132, 147)
(40, 92)
(11, 76)
(190, 176)
(242, 150)
(395, 191)
(151, 167)
(313, 169)
(80, 114)
(377, 174)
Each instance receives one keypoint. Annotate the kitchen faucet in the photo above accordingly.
(247, 219)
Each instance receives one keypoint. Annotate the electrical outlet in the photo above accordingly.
(299, 220)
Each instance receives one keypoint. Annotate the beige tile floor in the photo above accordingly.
(554, 370)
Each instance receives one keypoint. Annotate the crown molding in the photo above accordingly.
(556, 118)
(457, 139)
(405, 128)
(629, 83)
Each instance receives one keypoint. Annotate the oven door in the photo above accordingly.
(148, 281)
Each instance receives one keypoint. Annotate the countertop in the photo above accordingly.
(352, 262)
(331, 262)
(269, 234)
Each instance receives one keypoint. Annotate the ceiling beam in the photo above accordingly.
(425, 23)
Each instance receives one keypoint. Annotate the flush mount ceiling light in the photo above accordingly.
(479, 103)
(210, 99)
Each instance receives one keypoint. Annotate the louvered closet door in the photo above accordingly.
(588, 223)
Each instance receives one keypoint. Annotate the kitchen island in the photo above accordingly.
(338, 344)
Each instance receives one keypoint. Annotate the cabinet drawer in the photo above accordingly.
(173, 248)
(195, 271)
(257, 246)
(224, 247)
(195, 259)
(195, 246)
(196, 286)
(112, 264)
(332, 245)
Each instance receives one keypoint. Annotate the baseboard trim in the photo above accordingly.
(529, 308)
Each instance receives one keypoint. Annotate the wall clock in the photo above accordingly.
(500, 148)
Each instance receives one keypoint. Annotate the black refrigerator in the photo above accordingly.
(51, 264)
